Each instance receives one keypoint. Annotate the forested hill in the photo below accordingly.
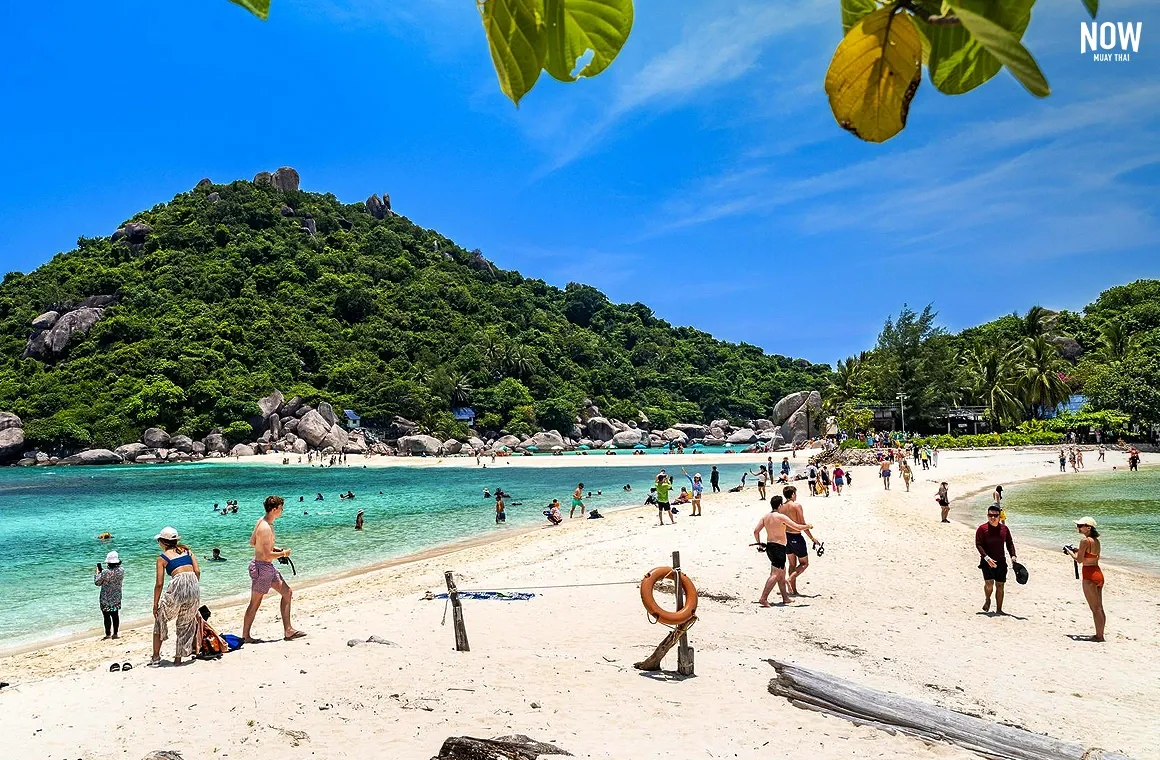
(228, 292)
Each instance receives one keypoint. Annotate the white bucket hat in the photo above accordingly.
(112, 558)
(169, 534)
(1086, 521)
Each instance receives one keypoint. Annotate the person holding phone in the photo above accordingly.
(110, 582)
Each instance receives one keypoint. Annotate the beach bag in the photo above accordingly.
(212, 644)
(232, 641)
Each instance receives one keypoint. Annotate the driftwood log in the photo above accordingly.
(654, 660)
(517, 747)
(811, 690)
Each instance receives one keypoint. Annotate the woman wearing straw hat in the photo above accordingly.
(110, 582)
(1087, 554)
(181, 598)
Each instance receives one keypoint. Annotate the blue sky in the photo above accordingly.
(702, 174)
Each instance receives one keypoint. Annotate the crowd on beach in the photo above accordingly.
(785, 528)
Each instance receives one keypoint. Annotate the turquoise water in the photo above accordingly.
(1126, 505)
(49, 520)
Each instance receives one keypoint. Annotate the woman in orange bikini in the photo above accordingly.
(1087, 554)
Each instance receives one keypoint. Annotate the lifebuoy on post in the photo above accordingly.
(685, 613)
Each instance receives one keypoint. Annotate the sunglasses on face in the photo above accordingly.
(991, 516)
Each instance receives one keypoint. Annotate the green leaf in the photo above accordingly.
(576, 26)
(958, 62)
(1006, 47)
(260, 8)
(854, 10)
(515, 33)
(1093, 7)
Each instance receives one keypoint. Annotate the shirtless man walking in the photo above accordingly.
(799, 556)
(577, 501)
(775, 525)
(264, 577)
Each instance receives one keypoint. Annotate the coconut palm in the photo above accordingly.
(518, 363)
(847, 383)
(1116, 340)
(461, 390)
(1039, 322)
(1041, 382)
(993, 380)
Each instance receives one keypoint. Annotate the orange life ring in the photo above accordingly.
(685, 613)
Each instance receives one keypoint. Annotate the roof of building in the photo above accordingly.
(350, 414)
(463, 413)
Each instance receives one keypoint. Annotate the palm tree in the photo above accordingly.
(1116, 340)
(461, 390)
(518, 363)
(993, 380)
(1039, 322)
(422, 374)
(847, 383)
(1041, 383)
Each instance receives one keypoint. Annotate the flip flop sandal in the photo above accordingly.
(126, 666)
(820, 549)
(295, 635)
(115, 667)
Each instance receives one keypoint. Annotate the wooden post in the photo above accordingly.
(456, 614)
(684, 651)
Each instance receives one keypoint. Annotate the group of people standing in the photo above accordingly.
(178, 602)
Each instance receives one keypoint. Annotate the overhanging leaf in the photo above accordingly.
(1093, 7)
(874, 74)
(515, 34)
(576, 26)
(854, 11)
(958, 62)
(261, 8)
(1005, 46)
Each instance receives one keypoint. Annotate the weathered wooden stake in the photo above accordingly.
(684, 651)
(456, 614)
(654, 660)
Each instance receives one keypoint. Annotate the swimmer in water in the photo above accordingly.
(104, 536)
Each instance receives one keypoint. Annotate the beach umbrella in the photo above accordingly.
(698, 446)
(504, 448)
(557, 448)
(532, 448)
(640, 446)
(728, 445)
(583, 447)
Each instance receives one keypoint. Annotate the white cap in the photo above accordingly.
(112, 558)
(1086, 521)
(169, 534)
(697, 475)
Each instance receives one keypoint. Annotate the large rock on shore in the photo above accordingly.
(788, 405)
(242, 450)
(130, 451)
(215, 443)
(544, 441)
(312, 428)
(336, 438)
(290, 407)
(270, 405)
(327, 412)
(690, 430)
(744, 435)
(673, 434)
(476, 443)
(155, 438)
(182, 443)
(763, 424)
(452, 446)
(508, 440)
(723, 424)
(628, 438)
(11, 437)
(599, 428)
(420, 444)
(93, 456)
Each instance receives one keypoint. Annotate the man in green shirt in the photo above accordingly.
(664, 486)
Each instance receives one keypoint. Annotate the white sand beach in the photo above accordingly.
(893, 604)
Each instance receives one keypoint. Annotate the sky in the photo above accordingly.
(702, 174)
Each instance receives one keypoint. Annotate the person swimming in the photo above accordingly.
(104, 536)
(486, 494)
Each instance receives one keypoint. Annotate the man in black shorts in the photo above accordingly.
(775, 525)
(990, 539)
(799, 556)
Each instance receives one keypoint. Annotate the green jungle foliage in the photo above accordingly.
(229, 300)
(1020, 368)
(988, 440)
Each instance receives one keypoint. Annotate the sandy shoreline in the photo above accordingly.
(893, 604)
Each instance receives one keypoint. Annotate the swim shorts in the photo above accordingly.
(997, 573)
(577, 502)
(263, 576)
(776, 554)
(796, 544)
(500, 517)
(664, 506)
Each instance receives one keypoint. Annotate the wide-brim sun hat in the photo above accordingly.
(112, 558)
(1086, 521)
(168, 533)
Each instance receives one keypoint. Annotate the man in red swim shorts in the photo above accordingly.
(264, 577)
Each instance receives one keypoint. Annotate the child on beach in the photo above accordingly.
(110, 582)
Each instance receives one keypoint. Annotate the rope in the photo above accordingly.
(539, 588)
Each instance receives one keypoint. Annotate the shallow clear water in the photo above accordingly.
(1126, 505)
(50, 517)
